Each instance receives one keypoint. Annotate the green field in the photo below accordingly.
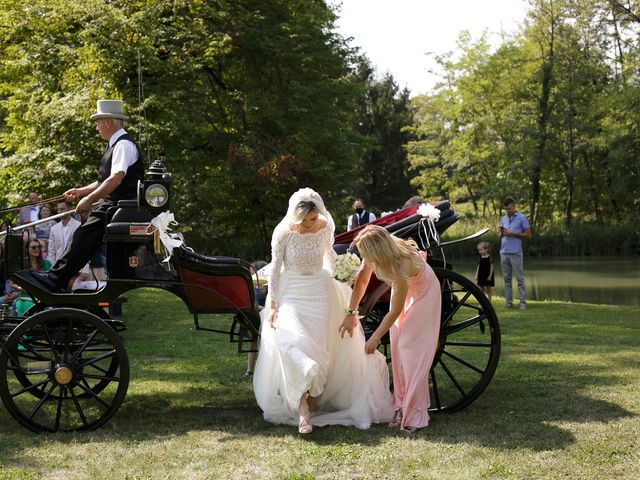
(564, 404)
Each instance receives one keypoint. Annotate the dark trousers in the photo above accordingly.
(86, 240)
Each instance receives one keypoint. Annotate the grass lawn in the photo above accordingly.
(564, 404)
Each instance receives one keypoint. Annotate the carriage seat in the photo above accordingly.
(191, 256)
(130, 213)
(216, 284)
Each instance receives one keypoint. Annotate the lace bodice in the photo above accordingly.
(299, 253)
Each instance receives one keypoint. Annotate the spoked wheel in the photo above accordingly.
(76, 371)
(96, 388)
(469, 345)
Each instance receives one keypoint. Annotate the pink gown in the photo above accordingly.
(414, 340)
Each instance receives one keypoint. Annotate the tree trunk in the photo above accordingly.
(570, 176)
(543, 120)
(618, 40)
(593, 188)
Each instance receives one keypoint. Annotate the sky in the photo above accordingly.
(397, 34)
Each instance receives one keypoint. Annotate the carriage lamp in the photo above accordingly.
(154, 191)
(156, 195)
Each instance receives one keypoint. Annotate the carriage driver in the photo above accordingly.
(120, 169)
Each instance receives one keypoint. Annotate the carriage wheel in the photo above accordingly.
(95, 389)
(469, 344)
(68, 357)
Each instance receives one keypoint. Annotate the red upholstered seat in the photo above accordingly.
(347, 237)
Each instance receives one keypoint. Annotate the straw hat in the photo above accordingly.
(109, 109)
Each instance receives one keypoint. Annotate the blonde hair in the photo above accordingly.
(486, 245)
(303, 209)
(385, 253)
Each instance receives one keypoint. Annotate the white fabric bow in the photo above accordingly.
(431, 215)
(164, 223)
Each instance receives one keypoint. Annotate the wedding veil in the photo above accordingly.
(305, 195)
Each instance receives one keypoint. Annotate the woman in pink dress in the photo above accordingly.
(413, 318)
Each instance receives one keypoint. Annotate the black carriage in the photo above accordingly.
(64, 366)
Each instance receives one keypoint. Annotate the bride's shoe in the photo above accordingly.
(397, 419)
(304, 425)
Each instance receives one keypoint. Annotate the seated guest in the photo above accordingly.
(30, 212)
(61, 233)
(8, 298)
(37, 263)
(42, 229)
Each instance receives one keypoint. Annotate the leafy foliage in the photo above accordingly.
(382, 114)
(549, 118)
(244, 105)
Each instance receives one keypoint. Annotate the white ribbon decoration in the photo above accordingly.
(431, 215)
(164, 223)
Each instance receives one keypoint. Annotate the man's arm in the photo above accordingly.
(513, 233)
(101, 191)
(75, 194)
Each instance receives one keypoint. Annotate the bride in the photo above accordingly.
(306, 374)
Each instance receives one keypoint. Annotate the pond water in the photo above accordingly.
(602, 280)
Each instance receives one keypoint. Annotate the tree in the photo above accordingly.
(548, 118)
(244, 105)
(383, 113)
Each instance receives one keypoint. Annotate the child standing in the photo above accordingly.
(484, 272)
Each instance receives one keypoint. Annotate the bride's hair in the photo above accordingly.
(385, 252)
(302, 209)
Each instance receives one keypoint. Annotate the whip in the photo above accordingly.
(42, 220)
(41, 202)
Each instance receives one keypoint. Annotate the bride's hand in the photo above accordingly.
(272, 318)
(348, 324)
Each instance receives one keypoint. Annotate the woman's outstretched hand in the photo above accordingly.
(348, 324)
(372, 345)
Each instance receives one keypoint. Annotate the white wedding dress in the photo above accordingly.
(305, 353)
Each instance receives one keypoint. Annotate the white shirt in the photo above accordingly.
(67, 230)
(34, 212)
(124, 153)
(59, 237)
(350, 221)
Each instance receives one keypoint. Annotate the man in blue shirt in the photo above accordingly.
(514, 227)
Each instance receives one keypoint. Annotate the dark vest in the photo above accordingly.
(355, 219)
(128, 188)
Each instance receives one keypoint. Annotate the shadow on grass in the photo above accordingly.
(514, 415)
(518, 412)
(550, 374)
